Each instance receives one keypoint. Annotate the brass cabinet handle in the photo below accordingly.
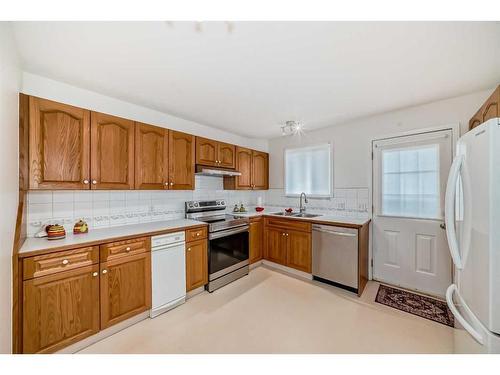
(94, 182)
(65, 261)
(95, 274)
(171, 184)
(189, 249)
(86, 182)
(166, 183)
(128, 248)
(104, 272)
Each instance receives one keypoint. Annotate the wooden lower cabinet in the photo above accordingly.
(125, 288)
(196, 264)
(256, 240)
(290, 248)
(299, 253)
(275, 250)
(60, 309)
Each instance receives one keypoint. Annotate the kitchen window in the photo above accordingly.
(309, 170)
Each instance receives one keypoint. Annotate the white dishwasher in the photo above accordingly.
(168, 272)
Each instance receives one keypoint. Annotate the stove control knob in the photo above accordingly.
(196, 204)
(222, 203)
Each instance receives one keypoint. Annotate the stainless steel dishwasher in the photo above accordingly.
(335, 256)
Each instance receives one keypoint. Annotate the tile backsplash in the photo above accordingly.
(101, 208)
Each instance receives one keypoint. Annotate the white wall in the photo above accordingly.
(49, 89)
(9, 174)
(352, 141)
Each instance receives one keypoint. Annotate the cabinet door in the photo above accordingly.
(60, 309)
(476, 120)
(275, 245)
(181, 160)
(206, 151)
(226, 155)
(260, 170)
(490, 108)
(196, 264)
(256, 240)
(298, 253)
(151, 157)
(244, 166)
(112, 152)
(59, 145)
(125, 288)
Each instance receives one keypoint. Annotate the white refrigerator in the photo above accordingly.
(472, 216)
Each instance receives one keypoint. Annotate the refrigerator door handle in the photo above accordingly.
(449, 300)
(449, 211)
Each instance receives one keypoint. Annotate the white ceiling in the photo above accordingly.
(250, 77)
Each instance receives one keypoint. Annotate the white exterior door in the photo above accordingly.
(409, 183)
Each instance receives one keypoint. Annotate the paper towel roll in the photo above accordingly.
(259, 201)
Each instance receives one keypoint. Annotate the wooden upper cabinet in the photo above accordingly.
(226, 155)
(490, 109)
(214, 153)
(299, 251)
(125, 288)
(59, 145)
(206, 151)
(260, 170)
(151, 157)
(112, 152)
(181, 160)
(196, 264)
(60, 309)
(244, 166)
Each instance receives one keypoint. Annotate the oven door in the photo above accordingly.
(228, 251)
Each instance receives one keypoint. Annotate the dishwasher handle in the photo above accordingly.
(334, 232)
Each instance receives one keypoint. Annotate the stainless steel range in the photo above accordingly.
(227, 241)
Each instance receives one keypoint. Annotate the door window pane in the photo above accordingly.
(410, 182)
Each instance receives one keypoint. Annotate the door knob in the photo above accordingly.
(95, 274)
(166, 183)
(94, 182)
(442, 226)
(171, 184)
(104, 272)
(65, 261)
(86, 182)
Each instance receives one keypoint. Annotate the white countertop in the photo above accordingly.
(105, 234)
(326, 218)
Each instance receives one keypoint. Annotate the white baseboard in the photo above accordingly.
(293, 271)
(77, 346)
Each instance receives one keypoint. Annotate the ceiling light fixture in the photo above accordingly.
(292, 128)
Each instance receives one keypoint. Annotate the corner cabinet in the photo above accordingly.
(112, 152)
(254, 168)
(59, 145)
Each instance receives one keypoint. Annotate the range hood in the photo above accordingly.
(214, 171)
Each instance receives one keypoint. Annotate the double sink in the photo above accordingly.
(302, 214)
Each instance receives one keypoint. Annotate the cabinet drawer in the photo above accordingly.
(48, 264)
(196, 234)
(114, 250)
(288, 224)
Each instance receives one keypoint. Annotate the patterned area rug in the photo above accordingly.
(415, 304)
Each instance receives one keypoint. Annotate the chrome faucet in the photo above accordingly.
(302, 207)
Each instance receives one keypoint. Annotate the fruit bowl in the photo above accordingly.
(259, 209)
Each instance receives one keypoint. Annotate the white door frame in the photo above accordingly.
(455, 131)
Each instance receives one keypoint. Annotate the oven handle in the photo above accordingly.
(225, 233)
